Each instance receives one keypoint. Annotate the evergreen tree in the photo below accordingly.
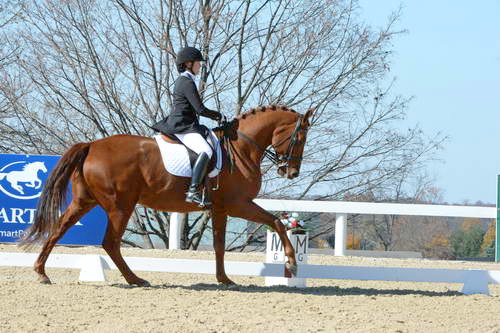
(467, 243)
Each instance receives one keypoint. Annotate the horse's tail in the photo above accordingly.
(2, 175)
(53, 196)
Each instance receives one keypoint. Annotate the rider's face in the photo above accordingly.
(196, 67)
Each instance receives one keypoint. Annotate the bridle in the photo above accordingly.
(280, 160)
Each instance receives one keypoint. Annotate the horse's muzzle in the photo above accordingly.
(282, 171)
(293, 173)
(289, 173)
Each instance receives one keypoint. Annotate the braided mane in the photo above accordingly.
(265, 109)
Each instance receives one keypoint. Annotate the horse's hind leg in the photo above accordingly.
(73, 213)
(118, 219)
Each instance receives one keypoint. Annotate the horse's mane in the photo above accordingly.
(231, 127)
(266, 108)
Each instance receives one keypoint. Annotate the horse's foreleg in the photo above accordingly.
(219, 218)
(251, 211)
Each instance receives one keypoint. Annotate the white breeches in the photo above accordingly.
(196, 143)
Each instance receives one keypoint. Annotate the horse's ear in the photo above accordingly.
(307, 116)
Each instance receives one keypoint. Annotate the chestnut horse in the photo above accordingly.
(121, 171)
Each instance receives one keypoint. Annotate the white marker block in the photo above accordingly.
(92, 269)
(275, 254)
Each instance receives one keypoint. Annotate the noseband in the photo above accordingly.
(277, 159)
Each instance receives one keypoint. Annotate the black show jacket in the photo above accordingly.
(187, 106)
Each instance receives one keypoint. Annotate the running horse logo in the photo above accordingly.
(27, 176)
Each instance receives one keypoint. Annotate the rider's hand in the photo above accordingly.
(215, 115)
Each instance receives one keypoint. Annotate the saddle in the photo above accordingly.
(179, 159)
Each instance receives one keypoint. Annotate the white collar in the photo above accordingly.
(189, 75)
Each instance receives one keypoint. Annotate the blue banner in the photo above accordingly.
(22, 178)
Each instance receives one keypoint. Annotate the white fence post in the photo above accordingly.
(340, 234)
(176, 228)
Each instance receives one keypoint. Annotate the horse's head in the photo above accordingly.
(288, 141)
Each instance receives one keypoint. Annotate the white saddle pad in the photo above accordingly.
(176, 158)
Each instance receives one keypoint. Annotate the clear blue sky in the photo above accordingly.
(450, 62)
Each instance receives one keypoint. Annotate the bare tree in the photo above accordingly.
(149, 228)
(408, 233)
(9, 16)
(90, 69)
(10, 13)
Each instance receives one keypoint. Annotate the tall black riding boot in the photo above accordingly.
(199, 170)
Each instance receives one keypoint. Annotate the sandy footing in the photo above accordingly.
(196, 303)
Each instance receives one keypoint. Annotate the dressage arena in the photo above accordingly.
(196, 303)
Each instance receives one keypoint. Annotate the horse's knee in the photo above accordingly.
(278, 226)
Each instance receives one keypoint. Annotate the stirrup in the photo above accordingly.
(193, 197)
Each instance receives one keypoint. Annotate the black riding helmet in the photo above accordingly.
(187, 54)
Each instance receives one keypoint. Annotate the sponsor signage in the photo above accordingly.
(22, 178)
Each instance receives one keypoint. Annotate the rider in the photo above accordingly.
(183, 119)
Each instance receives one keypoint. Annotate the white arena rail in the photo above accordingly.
(343, 208)
(475, 281)
(92, 269)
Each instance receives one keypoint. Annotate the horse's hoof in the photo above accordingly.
(44, 280)
(226, 282)
(141, 283)
(291, 268)
(229, 285)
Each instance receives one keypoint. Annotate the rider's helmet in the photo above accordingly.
(187, 54)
